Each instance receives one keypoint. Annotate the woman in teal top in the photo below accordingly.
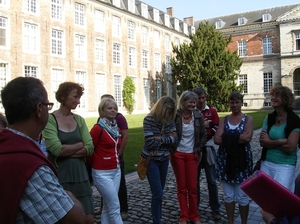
(279, 137)
(68, 142)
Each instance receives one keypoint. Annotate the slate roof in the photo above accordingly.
(253, 17)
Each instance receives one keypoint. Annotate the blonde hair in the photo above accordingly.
(164, 110)
(186, 95)
(103, 104)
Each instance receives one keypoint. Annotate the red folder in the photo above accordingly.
(270, 195)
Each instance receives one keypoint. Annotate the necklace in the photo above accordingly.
(186, 118)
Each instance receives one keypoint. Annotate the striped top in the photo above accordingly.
(159, 150)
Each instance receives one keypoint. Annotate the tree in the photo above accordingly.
(128, 91)
(207, 62)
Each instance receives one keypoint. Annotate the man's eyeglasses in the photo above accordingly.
(49, 105)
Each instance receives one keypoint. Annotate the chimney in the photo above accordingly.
(189, 20)
(170, 11)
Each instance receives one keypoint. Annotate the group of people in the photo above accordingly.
(185, 135)
(57, 189)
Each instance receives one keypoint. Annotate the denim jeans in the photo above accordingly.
(210, 173)
(107, 183)
(156, 175)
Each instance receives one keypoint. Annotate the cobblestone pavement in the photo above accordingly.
(139, 199)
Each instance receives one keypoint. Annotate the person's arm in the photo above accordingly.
(88, 147)
(215, 121)
(151, 134)
(291, 145)
(247, 134)
(218, 135)
(45, 201)
(124, 141)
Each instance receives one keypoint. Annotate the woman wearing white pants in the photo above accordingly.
(105, 163)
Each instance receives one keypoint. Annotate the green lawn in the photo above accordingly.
(136, 137)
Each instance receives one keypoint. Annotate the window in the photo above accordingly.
(4, 3)
(30, 38)
(131, 31)
(116, 29)
(144, 10)
(185, 29)
(243, 81)
(144, 35)
(242, 21)
(146, 85)
(56, 9)
(242, 48)
(176, 24)
(100, 86)
(267, 45)
(30, 6)
(266, 17)
(99, 50)
(131, 57)
(145, 59)
(131, 6)
(57, 42)
(80, 49)
(219, 24)
(118, 89)
(168, 65)
(3, 77)
(156, 39)
(31, 71)
(167, 20)
(116, 53)
(267, 104)
(3, 29)
(80, 77)
(57, 77)
(177, 42)
(297, 40)
(157, 89)
(157, 63)
(99, 21)
(156, 15)
(167, 42)
(268, 82)
(79, 14)
(116, 3)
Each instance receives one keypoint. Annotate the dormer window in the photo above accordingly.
(167, 20)
(266, 17)
(156, 15)
(131, 5)
(185, 29)
(242, 21)
(116, 3)
(219, 24)
(176, 24)
(144, 10)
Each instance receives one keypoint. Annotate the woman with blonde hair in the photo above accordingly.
(191, 139)
(160, 135)
(105, 161)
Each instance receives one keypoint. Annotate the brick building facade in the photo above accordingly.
(267, 41)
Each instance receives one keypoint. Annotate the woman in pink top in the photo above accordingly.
(105, 160)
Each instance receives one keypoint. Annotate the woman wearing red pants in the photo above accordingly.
(191, 137)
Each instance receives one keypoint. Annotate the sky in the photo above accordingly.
(205, 9)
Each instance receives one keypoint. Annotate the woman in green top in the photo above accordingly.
(279, 137)
(68, 143)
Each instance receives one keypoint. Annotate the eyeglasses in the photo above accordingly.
(49, 105)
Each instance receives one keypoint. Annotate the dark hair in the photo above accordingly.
(199, 91)
(3, 121)
(235, 96)
(286, 95)
(65, 88)
(20, 98)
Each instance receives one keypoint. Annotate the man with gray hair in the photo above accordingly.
(30, 191)
(211, 121)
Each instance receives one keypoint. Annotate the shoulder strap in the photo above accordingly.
(55, 120)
